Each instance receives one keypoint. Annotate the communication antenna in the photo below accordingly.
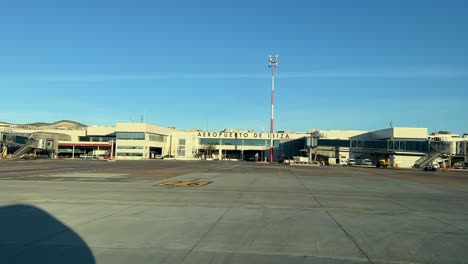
(273, 64)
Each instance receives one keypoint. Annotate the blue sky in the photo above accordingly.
(203, 64)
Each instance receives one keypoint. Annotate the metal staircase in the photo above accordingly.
(437, 148)
(26, 143)
(426, 159)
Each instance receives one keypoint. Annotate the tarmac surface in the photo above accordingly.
(88, 211)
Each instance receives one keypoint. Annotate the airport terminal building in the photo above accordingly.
(146, 141)
(403, 147)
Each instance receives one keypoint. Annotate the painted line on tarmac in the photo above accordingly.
(185, 183)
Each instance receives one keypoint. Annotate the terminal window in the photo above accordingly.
(131, 135)
(181, 151)
(127, 154)
(129, 147)
(157, 138)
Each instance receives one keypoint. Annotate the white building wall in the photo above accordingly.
(146, 143)
(395, 132)
(376, 135)
(404, 161)
(410, 132)
(453, 147)
(340, 134)
(100, 130)
(143, 127)
(126, 146)
(189, 147)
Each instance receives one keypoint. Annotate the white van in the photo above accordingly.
(461, 165)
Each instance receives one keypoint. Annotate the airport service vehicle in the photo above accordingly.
(432, 167)
(383, 163)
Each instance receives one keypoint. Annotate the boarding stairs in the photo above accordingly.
(437, 149)
(426, 159)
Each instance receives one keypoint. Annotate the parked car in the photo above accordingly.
(432, 167)
(88, 156)
(366, 162)
(158, 156)
(343, 162)
(461, 165)
(351, 162)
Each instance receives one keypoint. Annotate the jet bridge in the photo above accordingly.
(22, 145)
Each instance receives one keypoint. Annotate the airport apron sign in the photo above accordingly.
(242, 135)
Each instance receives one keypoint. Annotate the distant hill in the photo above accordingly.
(62, 124)
(37, 124)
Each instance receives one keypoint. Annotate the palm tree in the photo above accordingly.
(210, 148)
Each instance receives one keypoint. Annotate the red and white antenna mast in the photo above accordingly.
(272, 63)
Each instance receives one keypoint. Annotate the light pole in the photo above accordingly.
(272, 63)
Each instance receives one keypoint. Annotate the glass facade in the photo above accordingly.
(375, 144)
(70, 151)
(131, 135)
(238, 142)
(403, 145)
(417, 146)
(157, 138)
(95, 139)
(14, 138)
(206, 141)
(129, 154)
(392, 145)
(232, 142)
(333, 143)
(129, 147)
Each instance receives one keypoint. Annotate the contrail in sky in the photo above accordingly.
(390, 73)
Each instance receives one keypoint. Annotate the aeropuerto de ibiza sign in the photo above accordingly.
(247, 135)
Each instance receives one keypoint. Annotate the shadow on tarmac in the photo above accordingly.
(25, 233)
